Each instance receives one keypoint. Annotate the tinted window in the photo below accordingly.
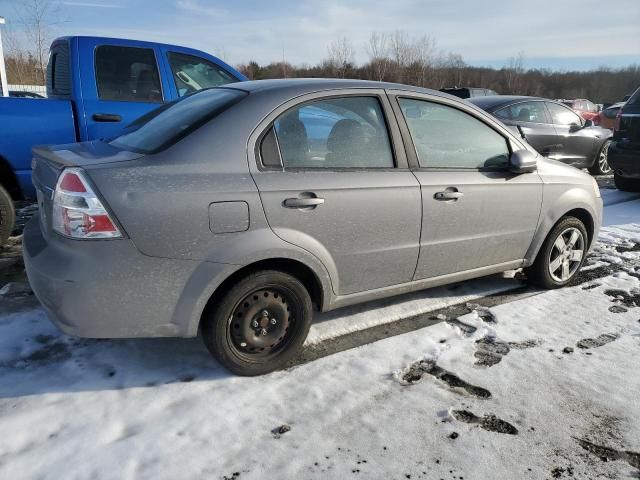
(127, 74)
(561, 115)
(449, 138)
(335, 133)
(634, 99)
(166, 125)
(193, 73)
(524, 112)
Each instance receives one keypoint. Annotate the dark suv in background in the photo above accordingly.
(624, 151)
(468, 92)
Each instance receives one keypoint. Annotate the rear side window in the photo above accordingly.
(533, 112)
(446, 137)
(127, 74)
(191, 73)
(634, 99)
(58, 71)
(168, 124)
(346, 132)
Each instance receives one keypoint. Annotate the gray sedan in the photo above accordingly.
(236, 211)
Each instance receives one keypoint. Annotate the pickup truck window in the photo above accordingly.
(127, 74)
(193, 73)
(168, 124)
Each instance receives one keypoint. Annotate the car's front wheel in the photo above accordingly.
(259, 324)
(626, 184)
(561, 255)
(601, 165)
(7, 215)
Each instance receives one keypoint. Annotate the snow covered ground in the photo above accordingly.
(542, 387)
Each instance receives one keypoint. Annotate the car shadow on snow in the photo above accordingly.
(36, 358)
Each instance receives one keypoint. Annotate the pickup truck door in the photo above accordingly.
(119, 81)
(189, 71)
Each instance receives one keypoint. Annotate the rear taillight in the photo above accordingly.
(616, 127)
(77, 212)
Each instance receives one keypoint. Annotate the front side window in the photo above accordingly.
(346, 132)
(446, 137)
(193, 73)
(127, 74)
(561, 115)
(532, 112)
(166, 125)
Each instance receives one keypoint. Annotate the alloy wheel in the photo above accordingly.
(603, 163)
(566, 254)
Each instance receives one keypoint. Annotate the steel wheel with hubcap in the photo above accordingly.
(601, 165)
(259, 324)
(561, 255)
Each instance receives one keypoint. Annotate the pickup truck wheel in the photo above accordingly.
(7, 215)
(601, 165)
(259, 324)
(561, 255)
(626, 184)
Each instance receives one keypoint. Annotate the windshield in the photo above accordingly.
(170, 123)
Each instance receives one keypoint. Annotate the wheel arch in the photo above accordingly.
(9, 180)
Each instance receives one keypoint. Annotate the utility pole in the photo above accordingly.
(3, 70)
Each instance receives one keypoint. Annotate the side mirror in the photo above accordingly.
(574, 127)
(588, 123)
(523, 161)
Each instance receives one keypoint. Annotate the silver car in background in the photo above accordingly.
(236, 211)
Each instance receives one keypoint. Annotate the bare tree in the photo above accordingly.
(513, 73)
(341, 56)
(378, 50)
(37, 18)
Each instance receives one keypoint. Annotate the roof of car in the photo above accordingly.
(494, 101)
(318, 84)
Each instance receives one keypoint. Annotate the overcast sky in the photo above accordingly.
(559, 34)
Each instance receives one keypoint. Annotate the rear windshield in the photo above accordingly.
(166, 125)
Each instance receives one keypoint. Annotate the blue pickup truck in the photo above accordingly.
(95, 87)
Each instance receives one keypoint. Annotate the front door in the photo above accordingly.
(575, 144)
(332, 183)
(532, 118)
(476, 213)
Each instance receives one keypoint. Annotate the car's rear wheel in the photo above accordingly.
(601, 165)
(626, 184)
(561, 255)
(259, 324)
(7, 215)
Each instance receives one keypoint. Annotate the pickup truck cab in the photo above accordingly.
(95, 87)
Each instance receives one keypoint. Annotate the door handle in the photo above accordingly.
(448, 195)
(106, 117)
(312, 202)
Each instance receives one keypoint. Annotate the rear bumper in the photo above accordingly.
(624, 159)
(105, 288)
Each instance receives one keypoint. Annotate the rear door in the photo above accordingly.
(534, 122)
(121, 81)
(476, 213)
(575, 144)
(333, 181)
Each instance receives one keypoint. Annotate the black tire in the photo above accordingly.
(7, 215)
(539, 273)
(234, 329)
(626, 184)
(600, 165)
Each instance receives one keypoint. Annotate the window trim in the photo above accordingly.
(95, 74)
(396, 142)
(412, 153)
(509, 105)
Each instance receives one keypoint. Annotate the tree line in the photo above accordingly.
(397, 57)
